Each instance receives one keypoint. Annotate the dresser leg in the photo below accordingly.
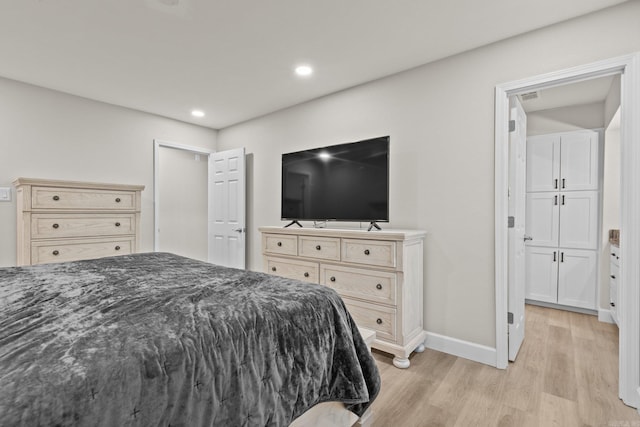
(401, 362)
(419, 349)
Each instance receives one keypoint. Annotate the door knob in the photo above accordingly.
(525, 238)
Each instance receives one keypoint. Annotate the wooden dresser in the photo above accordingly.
(68, 221)
(378, 274)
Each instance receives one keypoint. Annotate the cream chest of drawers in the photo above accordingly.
(378, 274)
(68, 221)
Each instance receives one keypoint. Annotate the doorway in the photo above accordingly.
(628, 68)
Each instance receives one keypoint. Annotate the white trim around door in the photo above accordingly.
(629, 293)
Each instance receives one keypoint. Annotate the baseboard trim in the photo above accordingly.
(605, 316)
(465, 349)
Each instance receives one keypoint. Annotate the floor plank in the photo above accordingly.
(566, 374)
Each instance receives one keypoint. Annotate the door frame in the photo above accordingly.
(628, 67)
(157, 144)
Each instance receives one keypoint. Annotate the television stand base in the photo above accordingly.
(293, 222)
(373, 224)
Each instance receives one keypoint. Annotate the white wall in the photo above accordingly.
(48, 134)
(566, 119)
(440, 119)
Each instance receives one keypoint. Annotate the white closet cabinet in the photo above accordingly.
(563, 162)
(562, 218)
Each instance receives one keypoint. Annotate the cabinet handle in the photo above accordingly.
(563, 200)
(554, 256)
(613, 277)
(378, 286)
(563, 186)
(333, 279)
(56, 225)
(561, 256)
(613, 304)
(306, 274)
(366, 252)
(56, 198)
(555, 200)
(273, 269)
(379, 321)
(318, 248)
(555, 184)
(117, 199)
(117, 248)
(279, 243)
(117, 224)
(56, 252)
(613, 254)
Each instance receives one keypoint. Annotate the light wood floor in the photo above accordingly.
(566, 374)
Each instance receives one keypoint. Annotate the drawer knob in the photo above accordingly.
(279, 243)
(379, 321)
(117, 248)
(273, 269)
(333, 279)
(56, 225)
(613, 254)
(56, 198)
(318, 247)
(366, 252)
(613, 277)
(117, 224)
(56, 252)
(378, 286)
(306, 274)
(117, 199)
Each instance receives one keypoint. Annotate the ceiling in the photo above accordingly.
(580, 93)
(234, 59)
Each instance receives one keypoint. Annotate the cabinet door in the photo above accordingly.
(577, 278)
(579, 219)
(542, 219)
(543, 163)
(579, 161)
(542, 274)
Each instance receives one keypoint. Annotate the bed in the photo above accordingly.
(158, 339)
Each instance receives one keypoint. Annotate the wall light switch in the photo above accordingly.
(5, 194)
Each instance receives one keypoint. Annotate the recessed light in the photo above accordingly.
(197, 113)
(304, 70)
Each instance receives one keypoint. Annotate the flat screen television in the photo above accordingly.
(345, 182)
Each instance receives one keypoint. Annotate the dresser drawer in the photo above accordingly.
(326, 248)
(370, 252)
(46, 251)
(78, 198)
(81, 225)
(280, 244)
(293, 269)
(377, 318)
(369, 285)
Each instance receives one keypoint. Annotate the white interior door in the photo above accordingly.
(227, 217)
(517, 209)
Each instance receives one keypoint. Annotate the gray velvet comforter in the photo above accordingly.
(160, 340)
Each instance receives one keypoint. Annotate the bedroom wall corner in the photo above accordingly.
(53, 135)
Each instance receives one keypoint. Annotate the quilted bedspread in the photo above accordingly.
(160, 340)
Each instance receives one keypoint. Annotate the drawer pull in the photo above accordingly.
(117, 224)
(318, 247)
(117, 248)
(56, 198)
(306, 274)
(279, 243)
(117, 199)
(379, 321)
(273, 269)
(56, 225)
(613, 277)
(378, 286)
(333, 278)
(613, 304)
(366, 252)
(56, 252)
